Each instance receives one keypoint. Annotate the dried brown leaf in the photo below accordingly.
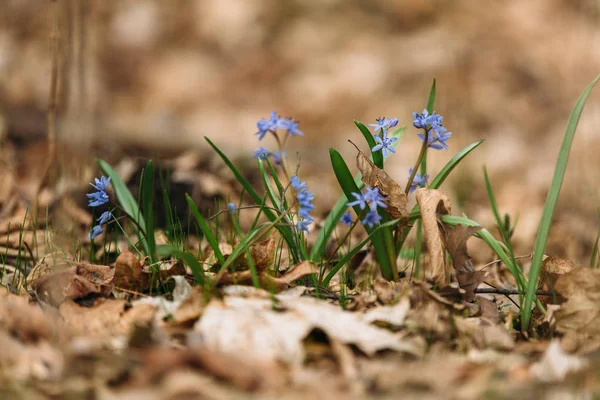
(299, 271)
(433, 204)
(263, 253)
(372, 176)
(54, 288)
(580, 314)
(456, 243)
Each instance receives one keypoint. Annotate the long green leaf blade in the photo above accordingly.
(551, 200)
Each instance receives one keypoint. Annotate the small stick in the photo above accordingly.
(509, 292)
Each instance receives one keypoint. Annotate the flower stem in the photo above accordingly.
(418, 163)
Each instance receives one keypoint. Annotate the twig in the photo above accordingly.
(510, 292)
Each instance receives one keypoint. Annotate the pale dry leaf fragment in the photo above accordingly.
(300, 270)
(129, 273)
(164, 306)
(393, 315)
(347, 327)
(250, 327)
(556, 364)
(433, 204)
(372, 176)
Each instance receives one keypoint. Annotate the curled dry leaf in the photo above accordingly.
(554, 267)
(131, 274)
(434, 203)
(580, 314)
(372, 176)
(263, 253)
(456, 243)
(300, 270)
(54, 288)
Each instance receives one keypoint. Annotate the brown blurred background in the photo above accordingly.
(153, 77)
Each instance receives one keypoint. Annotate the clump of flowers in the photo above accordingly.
(384, 143)
(96, 199)
(437, 135)
(273, 125)
(370, 197)
(305, 206)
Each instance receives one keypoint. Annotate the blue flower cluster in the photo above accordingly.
(305, 198)
(418, 180)
(384, 143)
(375, 199)
(431, 123)
(99, 198)
(273, 124)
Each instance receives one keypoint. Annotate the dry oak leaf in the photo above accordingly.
(131, 274)
(54, 288)
(434, 203)
(456, 243)
(580, 314)
(372, 176)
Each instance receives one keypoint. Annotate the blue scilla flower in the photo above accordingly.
(96, 230)
(360, 201)
(372, 218)
(97, 198)
(292, 128)
(305, 206)
(421, 120)
(231, 207)
(437, 143)
(101, 184)
(375, 198)
(418, 180)
(262, 153)
(384, 124)
(384, 143)
(297, 184)
(347, 218)
(272, 124)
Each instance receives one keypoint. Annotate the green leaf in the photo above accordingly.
(212, 241)
(431, 99)
(127, 202)
(551, 200)
(378, 155)
(189, 259)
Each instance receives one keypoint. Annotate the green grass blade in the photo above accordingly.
(273, 195)
(501, 226)
(189, 259)
(210, 238)
(431, 99)
(378, 155)
(551, 200)
(147, 192)
(285, 230)
(127, 201)
(346, 181)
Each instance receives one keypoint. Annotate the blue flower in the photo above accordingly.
(231, 207)
(263, 128)
(384, 144)
(372, 218)
(101, 184)
(97, 198)
(96, 230)
(262, 153)
(384, 123)
(421, 120)
(418, 180)
(304, 198)
(375, 198)
(278, 157)
(347, 218)
(360, 201)
(104, 218)
(303, 225)
(292, 128)
(437, 143)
